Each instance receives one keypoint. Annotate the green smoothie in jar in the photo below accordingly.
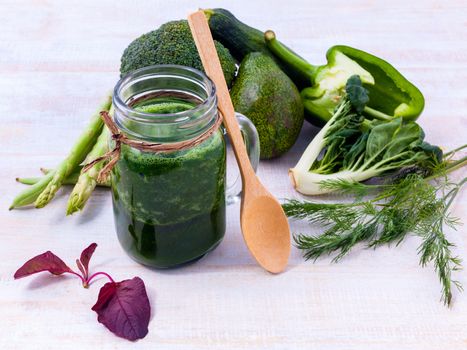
(169, 205)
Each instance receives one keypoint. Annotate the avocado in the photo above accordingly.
(267, 96)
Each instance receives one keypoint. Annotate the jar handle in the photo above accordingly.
(251, 139)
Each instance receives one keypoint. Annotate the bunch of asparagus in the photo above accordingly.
(92, 144)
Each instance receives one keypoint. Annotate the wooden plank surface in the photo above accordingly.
(57, 60)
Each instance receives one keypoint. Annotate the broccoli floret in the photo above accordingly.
(172, 43)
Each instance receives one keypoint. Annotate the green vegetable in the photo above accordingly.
(391, 94)
(87, 181)
(351, 148)
(241, 39)
(396, 209)
(70, 180)
(172, 43)
(238, 37)
(29, 195)
(28, 180)
(271, 101)
(44, 190)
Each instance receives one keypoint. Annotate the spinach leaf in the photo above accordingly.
(356, 93)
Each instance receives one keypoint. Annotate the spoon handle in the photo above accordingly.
(207, 51)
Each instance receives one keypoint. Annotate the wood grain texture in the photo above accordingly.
(58, 59)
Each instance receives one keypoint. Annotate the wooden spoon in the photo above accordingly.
(264, 224)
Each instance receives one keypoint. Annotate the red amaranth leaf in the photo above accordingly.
(123, 307)
(86, 257)
(81, 268)
(47, 261)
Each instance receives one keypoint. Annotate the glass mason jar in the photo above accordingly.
(169, 207)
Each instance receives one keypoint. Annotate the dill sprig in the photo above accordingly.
(411, 205)
(436, 248)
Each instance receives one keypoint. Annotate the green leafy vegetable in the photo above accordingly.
(351, 148)
(411, 204)
(358, 95)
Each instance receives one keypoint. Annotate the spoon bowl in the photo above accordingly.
(263, 225)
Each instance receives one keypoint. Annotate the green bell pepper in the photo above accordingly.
(391, 94)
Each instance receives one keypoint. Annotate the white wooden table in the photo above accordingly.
(57, 59)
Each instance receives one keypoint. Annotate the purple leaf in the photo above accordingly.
(85, 257)
(123, 307)
(47, 261)
(81, 268)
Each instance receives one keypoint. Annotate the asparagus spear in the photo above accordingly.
(29, 195)
(87, 181)
(77, 155)
(44, 190)
(76, 172)
(72, 179)
(28, 180)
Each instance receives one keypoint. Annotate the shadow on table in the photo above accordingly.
(45, 280)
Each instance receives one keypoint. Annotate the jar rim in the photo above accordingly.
(136, 115)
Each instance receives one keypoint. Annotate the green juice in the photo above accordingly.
(170, 207)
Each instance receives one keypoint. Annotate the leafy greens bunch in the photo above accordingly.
(352, 148)
(409, 191)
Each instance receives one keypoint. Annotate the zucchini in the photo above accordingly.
(241, 39)
(238, 37)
